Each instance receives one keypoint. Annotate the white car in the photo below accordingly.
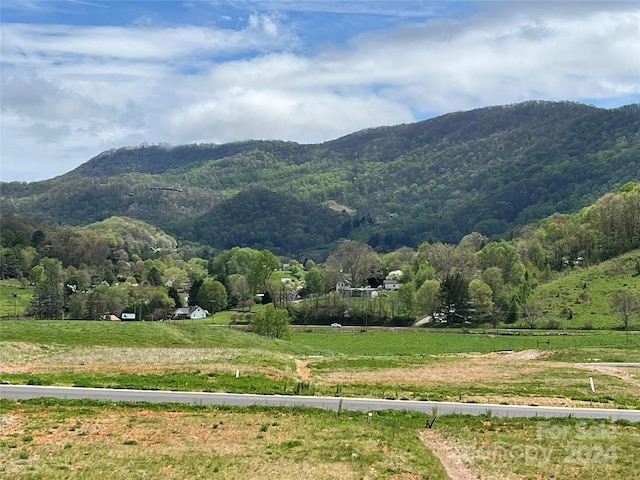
(335, 325)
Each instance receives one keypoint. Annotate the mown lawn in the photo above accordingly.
(426, 342)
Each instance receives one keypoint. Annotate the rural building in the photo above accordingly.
(189, 313)
(392, 284)
(346, 290)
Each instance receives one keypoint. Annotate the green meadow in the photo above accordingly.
(56, 439)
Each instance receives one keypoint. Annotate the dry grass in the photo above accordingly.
(26, 358)
(462, 368)
(126, 442)
(522, 378)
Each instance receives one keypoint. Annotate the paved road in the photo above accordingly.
(612, 364)
(329, 403)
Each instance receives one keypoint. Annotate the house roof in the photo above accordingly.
(187, 310)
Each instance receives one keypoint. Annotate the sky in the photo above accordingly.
(79, 77)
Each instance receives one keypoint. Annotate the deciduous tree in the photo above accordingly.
(625, 303)
(213, 295)
(428, 297)
(355, 261)
(272, 322)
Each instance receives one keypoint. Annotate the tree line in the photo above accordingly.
(127, 265)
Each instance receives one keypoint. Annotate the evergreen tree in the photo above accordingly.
(173, 293)
(512, 314)
(48, 296)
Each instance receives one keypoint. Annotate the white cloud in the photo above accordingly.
(69, 92)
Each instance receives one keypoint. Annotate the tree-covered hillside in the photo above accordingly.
(121, 264)
(485, 170)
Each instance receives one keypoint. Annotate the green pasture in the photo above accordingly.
(169, 334)
(203, 334)
(14, 298)
(426, 342)
(588, 293)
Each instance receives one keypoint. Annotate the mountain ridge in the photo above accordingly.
(483, 170)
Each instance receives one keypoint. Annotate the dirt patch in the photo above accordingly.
(448, 455)
(302, 369)
(7, 420)
(468, 368)
(531, 401)
(143, 369)
(528, 355)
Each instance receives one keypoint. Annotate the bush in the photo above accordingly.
(553, 324)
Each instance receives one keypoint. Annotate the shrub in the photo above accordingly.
(553, 324)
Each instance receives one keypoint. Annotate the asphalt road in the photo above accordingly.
(612, 364)
(18, 392)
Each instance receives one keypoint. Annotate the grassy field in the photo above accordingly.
(59, 440)
(169, 334)
(588, 293)
(384, 364)
(426, 342)
(85, 440)
(10, 305)
(540, 449)
(202, 334)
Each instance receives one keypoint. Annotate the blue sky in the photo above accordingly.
(80, 77)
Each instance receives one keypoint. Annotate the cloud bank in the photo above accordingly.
(70, 91)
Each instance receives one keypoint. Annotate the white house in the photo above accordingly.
(190, 313)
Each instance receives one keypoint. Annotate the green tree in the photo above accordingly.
(104, 300)
(48, 296)
(175, 295)
(502, 255)
(314, 281)
(481, 296)
(428, 297)
(271, 322)
(174, 277)
(448, 259)
(407, 297)
(262, 267)
(213, 295)
(454, 294)
(77, 306)
(153, 277)
(492, 276)
(196, 269)
(37, 273)
(514, 310)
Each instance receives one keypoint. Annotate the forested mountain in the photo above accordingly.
(485, 170)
